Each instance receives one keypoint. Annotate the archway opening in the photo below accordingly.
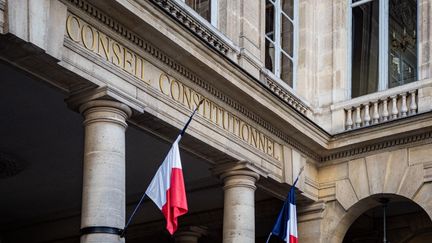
(395, 219)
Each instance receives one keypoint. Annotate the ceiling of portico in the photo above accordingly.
(41, 133)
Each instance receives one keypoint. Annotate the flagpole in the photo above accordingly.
(293, 185)
(268, 238)
(123, 232)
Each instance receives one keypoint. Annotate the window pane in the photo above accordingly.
(287, 35)
(403, 43)
(202, 7)
(286, 70)
(288, 7)
(270, 21)
(365, 43)
(269, 55)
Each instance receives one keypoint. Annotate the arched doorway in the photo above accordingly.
(405, 222)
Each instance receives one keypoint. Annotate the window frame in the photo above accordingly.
(278, 50)
(383, 46)
(214, 7)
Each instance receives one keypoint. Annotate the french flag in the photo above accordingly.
(286, 224)
(167, 188)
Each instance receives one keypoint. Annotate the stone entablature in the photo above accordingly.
(112, 51)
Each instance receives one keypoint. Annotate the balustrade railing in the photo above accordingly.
(381, 110)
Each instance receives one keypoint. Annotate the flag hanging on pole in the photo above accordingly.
(167, 188)
(286, 224)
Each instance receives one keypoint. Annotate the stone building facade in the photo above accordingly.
(93, 92)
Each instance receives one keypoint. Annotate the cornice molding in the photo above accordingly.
(353, 152)
(286, 95)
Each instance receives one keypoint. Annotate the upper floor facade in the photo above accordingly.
(344, 64)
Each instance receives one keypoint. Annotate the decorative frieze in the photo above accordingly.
(381, 110)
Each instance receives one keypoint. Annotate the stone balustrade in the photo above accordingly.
(381, 110)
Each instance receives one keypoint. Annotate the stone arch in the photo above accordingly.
(389, 173)
(418, 225)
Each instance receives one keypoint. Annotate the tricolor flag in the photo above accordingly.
(167, 188)
(286, 224)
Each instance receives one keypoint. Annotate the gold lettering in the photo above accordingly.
(85, 39)
(139, 69)
(243, 126)
(254, 137)
(270, 147)
(196, 100)
(117, 54)
(236, 126)
(211, 111)
(112, 51)
(173, 92)
(128, 58)
(104, 42)
(225, 117)
(207, 104)
(71, 28)
(187, 94)
(161, 78)
(261, 142)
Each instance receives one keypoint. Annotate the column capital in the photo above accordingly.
(105, 110)
(238, 174)
(238, 167)
(106, 93)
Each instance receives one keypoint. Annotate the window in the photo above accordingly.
(383, 44)
(205, 8)
(280, 38)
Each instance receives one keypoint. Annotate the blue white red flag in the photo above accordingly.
(286, 224)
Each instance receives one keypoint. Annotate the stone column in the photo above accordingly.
(103, 197)
(239, 205)
(190, 234)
